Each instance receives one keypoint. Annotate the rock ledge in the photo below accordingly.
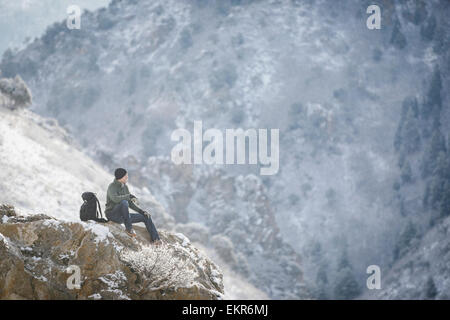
(39, 256)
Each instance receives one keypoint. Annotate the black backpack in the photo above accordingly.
(90, 208)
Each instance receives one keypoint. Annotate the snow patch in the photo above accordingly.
(5, 240)
(102, 233)
(183, 238)
(95, 296)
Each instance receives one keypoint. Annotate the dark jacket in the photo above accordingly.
(117, 191)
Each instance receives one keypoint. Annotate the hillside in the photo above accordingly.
(423, 271)
(339, 93)
(45, 172)
(44, 169)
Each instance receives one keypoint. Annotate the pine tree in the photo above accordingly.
(403, 212)
(408, 129)
(411, 135)
(445, 200)
(405, 239)
(346, 286)
(398, 137)
(428, 28)
(398, 40)
(426, 195)
(437, 145)
(321, 282)
(433, 99)
(434, 92)
(436, 193)
(441, 167)
(430, 289)
(406, 173)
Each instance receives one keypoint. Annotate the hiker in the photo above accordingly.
(118, 202)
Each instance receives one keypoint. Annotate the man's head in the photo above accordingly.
(121, 175)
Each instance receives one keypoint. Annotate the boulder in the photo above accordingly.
(42, 258)
(14, 93)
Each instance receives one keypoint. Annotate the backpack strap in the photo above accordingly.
(100, 208)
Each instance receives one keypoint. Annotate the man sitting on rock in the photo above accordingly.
(119, 200)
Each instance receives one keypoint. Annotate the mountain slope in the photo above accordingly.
(334, 88)
(423, 270)
(44, 171)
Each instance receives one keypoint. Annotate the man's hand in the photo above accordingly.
(147, 214)
(134, 199)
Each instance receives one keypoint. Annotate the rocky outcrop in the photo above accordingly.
(14, 93)
(40, 257)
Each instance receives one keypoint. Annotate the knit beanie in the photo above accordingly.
(120, 173)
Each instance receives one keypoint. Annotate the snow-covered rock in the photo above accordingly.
(38, 254)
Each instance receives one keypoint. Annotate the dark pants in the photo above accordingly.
(121, 214)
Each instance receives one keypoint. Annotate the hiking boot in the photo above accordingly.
(131, 233)
(157, 242)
